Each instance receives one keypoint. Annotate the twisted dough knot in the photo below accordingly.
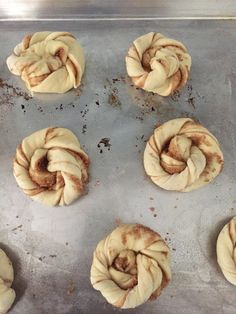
(51, 167)
(182, 155)
(226, 251)
(158, 64)
(7, 295)
(48, 62)
(130, 266)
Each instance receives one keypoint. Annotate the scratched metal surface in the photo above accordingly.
(52, 248)
(71, 9)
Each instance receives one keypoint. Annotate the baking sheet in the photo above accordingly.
(71, 9)
(52, 248)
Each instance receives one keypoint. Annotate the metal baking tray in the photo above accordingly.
(52, 248)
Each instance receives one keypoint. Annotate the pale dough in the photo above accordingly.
(182, 155)
(131, 265)
(158, 64)
(7, 294)
(51, 167)
(226, 251)
(48, 62)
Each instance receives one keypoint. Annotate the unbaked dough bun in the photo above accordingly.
(158, 64)
(48, 62)
(182, 155)
(226, 251)
(131, 266)
(51, 167)
(7, 294)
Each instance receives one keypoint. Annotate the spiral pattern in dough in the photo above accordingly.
(131, 265)
(7, 294)
(51, 167)
(158, 64)
(182, 155)
(226, 251)
(48, 62)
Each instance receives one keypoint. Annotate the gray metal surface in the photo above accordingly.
(28, 9)
(52, 248)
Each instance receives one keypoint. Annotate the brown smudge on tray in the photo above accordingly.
(119, 79)
(153, 211)
(175, 96)
(112, 92)
(16, 91)
(60, 107)
(139, 118)
(191, 98)
(104, 142)
(167, 238)
(42, 258)
(141, 139)
(40, 109)
(84, 129)
(148, 102)
(80, 89)
(70, 288)
(191, 102)
(23, 108)
(84, 112)
(8, 94)
(114, 80)
(113, 99)
(151, 103)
